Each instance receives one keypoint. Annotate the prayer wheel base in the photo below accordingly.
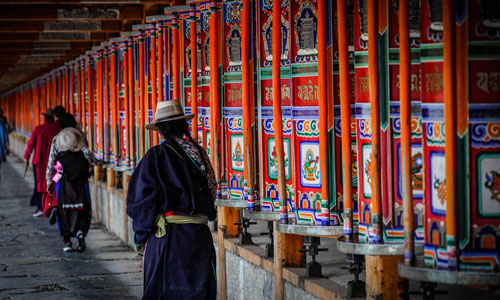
(325, 231)
(375, 249)
(98, 173)
(265, 215)
(231, 203)
(382, 280)
(420, 272)
(110, 174)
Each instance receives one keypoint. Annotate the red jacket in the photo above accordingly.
(40, 141)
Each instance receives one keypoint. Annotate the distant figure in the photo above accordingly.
(170, 200)
(4, 138)
(74, 219)
(59, 112)
(39, 143)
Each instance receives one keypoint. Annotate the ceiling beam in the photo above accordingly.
(44, 45)
(55, 36)
(87, 2)
(69, 12)
(60, 26)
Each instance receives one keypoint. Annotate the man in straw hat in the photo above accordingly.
(72, 189)
(170, 200)
(39, 145)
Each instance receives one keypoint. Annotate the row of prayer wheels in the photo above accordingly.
(377, 119)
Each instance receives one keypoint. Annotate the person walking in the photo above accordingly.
(39, 145)
(4, 138)
(72, 187)
(170, 200)
(55, 170)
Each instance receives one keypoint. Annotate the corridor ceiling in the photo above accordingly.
(37, 36)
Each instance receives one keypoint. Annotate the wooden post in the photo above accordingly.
(382, 279)
(450, 125)
(176, 73)
(124, 138)
(143, 92)
(114, 104)
(404, 77)
(98, 175)
(71, 88)
(131, 104)
(83, 105)
(126, 180)
(111, 182)
(154, 80)
(90, 93)
(100, 116)
(159, 30)
(323, 110)
(345, 112)
(373, 74)
(159, 70)
(194, 72)
(106, 124)
(247, 86)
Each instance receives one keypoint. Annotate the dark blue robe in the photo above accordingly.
(180, 265)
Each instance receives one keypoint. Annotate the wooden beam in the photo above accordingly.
(45, 45)
(6, 37)
(79, 2)
(70, 12)
(60, 26)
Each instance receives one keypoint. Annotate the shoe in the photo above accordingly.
(80, 247)
(68, 247)
(53, 216)
(38, 213)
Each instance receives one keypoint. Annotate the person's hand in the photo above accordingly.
(27, 162)
(49, 189)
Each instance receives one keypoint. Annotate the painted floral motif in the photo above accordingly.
(310, 167)
(440, 186)
(369, 170)
(493, 184)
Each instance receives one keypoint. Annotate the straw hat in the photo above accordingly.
(69, 139)
(168, 111)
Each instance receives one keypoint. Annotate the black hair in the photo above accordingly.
(59, 111)
(67, 120)
(172, 129)
(48, 119)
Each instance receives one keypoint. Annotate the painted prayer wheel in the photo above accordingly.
(267, 151)
(232, 111)
(393, 204)
(204, 108)
(339, 181)
(304, 94)
(478, 147)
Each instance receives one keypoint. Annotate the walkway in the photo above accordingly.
(33, 265)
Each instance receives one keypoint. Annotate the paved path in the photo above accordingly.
(33, 265)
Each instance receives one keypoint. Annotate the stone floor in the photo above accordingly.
(33, 265)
